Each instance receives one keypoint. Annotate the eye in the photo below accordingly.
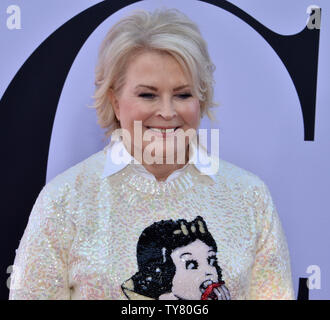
(212, 260)
(191, 264)
(146, 95)
(184, 96)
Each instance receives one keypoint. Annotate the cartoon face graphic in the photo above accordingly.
(195, 270)
(177, 261)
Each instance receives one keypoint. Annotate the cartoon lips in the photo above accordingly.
(213, 290)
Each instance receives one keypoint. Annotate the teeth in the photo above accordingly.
(162, 130)
(205, 284)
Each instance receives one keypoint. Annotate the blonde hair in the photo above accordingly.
(165, 30)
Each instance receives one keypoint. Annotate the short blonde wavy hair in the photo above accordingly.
(165, 30)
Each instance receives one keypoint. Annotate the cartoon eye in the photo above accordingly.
(212, 260)
(191, 264)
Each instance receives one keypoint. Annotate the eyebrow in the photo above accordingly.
(155, 89)
(184, 254)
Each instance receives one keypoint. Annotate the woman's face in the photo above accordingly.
(195, 270)
(158, 93)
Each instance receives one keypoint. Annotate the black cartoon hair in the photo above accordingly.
(154, 248)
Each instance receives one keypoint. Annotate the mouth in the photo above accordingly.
(205, 284)
(163, 131)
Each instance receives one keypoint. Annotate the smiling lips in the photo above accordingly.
(163, 132)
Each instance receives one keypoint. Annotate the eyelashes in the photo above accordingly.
(184, 95)
(147, 96)
(151, 96)
(191, 264)
(212, 260)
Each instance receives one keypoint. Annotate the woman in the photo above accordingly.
(154, 82)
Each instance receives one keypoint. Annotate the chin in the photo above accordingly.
(191, 297)
(166, 156)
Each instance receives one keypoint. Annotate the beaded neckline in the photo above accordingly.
(189, 177)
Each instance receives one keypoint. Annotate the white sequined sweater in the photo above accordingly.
(119, 237)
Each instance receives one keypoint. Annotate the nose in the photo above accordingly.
(210, 271)
(167, 109)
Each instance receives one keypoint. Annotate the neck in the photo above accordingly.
(162, 171)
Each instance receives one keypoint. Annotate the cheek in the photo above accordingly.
(191, 114)
(185, 277)
(131, 110)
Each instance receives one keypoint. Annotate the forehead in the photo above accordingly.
(153, 67)
(197, 247)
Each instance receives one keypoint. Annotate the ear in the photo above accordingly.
(114, 102)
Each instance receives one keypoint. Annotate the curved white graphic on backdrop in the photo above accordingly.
(259, 118)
